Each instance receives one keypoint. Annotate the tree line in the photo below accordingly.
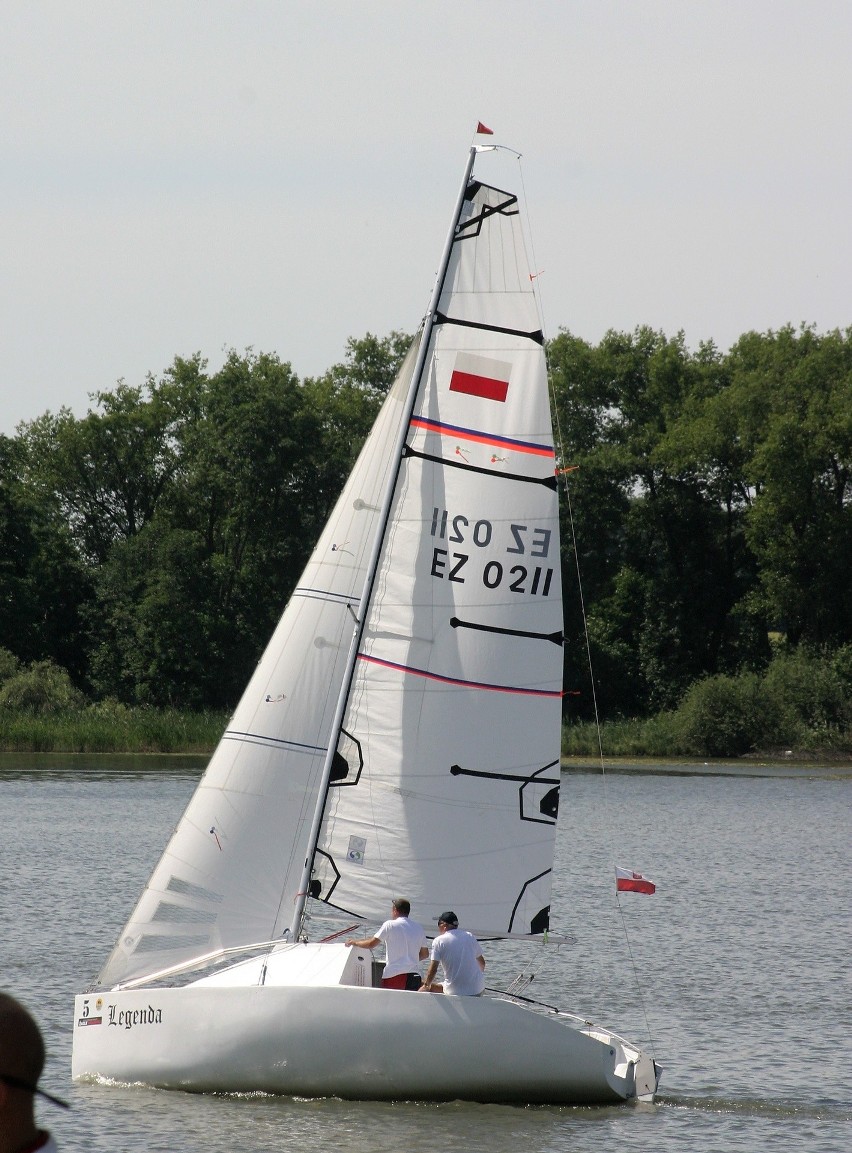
(149, 546)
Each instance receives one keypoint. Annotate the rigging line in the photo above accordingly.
(636, 976)
(563, 484)
(531, 972)
(527, 233)
(566, 490)
(415, 382)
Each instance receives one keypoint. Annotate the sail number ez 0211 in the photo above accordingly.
(450, 564)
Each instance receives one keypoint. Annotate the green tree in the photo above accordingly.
(42, 688)
(186, 604)
(42, 581)
(157, 636)
(109, 470)
(799, 525)
(655, 539)
(371, 362)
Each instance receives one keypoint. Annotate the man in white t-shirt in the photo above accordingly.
(458, 952)
(405, 946)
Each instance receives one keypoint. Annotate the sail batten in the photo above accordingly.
(535, 335)
(547, 481)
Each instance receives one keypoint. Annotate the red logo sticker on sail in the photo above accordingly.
(481, 376)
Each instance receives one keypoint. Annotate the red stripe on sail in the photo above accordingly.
(454, 430)
(488, 387)
(492, 688)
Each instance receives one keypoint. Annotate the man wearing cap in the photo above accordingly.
(21, 1063)
(458, 952)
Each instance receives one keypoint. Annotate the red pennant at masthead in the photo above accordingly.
(628, 881)
(481, 130)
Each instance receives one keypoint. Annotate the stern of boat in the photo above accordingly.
(634, 1075)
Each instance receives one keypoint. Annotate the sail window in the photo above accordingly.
(178, 885)
(156, 942)
(177, 914)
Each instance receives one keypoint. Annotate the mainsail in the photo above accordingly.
(443, 785)
(451, 734)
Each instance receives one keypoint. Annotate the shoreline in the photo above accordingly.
(765, 764)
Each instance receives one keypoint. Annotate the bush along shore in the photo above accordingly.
(107, 727)
(800, 705)
(42, 711)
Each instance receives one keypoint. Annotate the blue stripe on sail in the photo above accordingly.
(429, 425)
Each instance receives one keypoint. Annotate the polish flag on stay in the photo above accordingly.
(627, 881)
(481, 376)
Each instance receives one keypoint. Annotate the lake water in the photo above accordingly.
(735, 973)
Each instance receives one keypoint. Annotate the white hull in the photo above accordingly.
(360, 1043)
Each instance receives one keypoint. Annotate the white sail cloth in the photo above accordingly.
(453, 724)
(446, 787)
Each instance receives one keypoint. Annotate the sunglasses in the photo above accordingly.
(17, 1083)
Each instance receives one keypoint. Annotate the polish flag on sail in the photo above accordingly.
(481, 376)
(481, 130)
(628, 881)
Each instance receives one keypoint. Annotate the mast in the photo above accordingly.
(372, 567)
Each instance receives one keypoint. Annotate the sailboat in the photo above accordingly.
(399, 737)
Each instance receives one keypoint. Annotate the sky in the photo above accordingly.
(180, 176)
